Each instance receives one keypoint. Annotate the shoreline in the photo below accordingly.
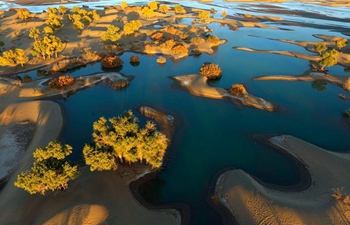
(249, 200)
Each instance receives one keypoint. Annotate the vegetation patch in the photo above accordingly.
(111, 62)
(61, 82)
(210, 70)
(238, 90)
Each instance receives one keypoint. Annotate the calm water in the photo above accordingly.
(216, 134)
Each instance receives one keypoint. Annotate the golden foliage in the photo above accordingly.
(210, 70)
(111, 62)
(238, 90)
(61, 82)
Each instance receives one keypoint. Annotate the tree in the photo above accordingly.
(48, 30)
(51, 10)
(78, 25)
(50, 171)
(320, 47)
(212, 12)
(94, 15)
(224, 13)
(23, 13)
(111, 33)
(329, 58)
(204, 15)
(147, 12)
(121, 138)
(153, 5)
(13, 58)
(132, 26)
(341, 43)
(124, 5)
(179, 9)
(46, 47)
(34, 33)
(75, 9)
(62, 9)
(164, 8)
(54, 21)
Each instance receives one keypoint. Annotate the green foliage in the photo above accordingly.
(23, 13)
(46, 47)
(147, 12)
(179, 9)
(50, 170)
(132, 26)
(164, 8)
(13, 58)
(48, 30)
(62, 9)
(111, 33)
(320, 47)
(2, 43)
(204, 15)
(153, 5)
(122, 138)
(329, 58)
(34, 33)
(341, 43)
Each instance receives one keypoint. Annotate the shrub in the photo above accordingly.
(27, 79)
(179, 49)
(329, 58)
(168, 45)
(34, 33)
(224, 13)
(2, 43)
(157, 35)
(161, 60)
(346, 200)
(111, 62)
(346, 85)
(119, 84)
(164, 8)
(171, 29)
(238, 90)
(320, 47)
(111, 33)
(247, 15)
(212, 39)
(197, 40)
(132, 26)
(153, 5)
(179, 9)
(23, 13)
(134, 59)
(204, 15)
(341, 43)
(147, 12)
(210, 70)
(61, 82)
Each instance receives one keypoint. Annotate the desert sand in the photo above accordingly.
(252, 203)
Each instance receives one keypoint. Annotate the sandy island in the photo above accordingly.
(252, 203)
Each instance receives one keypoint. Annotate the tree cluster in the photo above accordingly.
(13, 58)
(210, 70)
(122, 139)
(50, 170)
(61, 82)
(47, 46)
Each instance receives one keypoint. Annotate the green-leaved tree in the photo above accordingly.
(320, 47)
(329, 58)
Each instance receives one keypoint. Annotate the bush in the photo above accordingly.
(346, 85)
(27, 79)
(167, 45)
(23, 13)
(212, 39)
(161, 60)
(119, 84)
(61, 82)
(111, 62)
(197, 40)
(238, 90)
(211, 71)
(157, 35)
(134, 59)
(179, 9)
(179, 49)
(2, 43)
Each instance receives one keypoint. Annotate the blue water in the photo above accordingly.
(217, 134)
